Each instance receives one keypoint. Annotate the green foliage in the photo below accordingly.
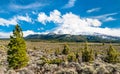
(57, 52)
(44, 61)
(71, 57)
(66, 49)
(103, 43)
(17, 55)
(112, 55)
(78, 53)
(56, 61)
(96, 54)
(87, 54)
(34, 48)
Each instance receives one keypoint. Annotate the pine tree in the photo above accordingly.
(112, 55)
(66, 49)
(17, 54)
(87, 54)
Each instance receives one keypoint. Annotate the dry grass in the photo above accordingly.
(98, 47)
(73, 46)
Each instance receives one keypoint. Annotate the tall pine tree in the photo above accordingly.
(17, 54)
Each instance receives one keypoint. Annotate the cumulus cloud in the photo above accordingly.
(70, 4)
(93, 10)
(70, 23)
(55, 16)
(42, 17)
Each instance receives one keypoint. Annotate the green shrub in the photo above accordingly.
(87, 54)
(56, 61)
(78, 53)
(44, 61)
(112, 55)
(66, 49)
(57, 52)
(103, 43)
(34, 48)
(17, 53)
(71, 57)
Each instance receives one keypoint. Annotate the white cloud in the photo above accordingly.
(25, 33)
(54, 16)
(15, 20)
(70, 23)
(28, 32)
(93, 10)
(30, 6)
(5, 35)
(70, 4)
(42, 17)
(23, 18)
(33, 12)
(109, 19)
(106, 17)
(5, 22)
(73, 24)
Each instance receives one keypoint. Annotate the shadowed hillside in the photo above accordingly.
(74, 38)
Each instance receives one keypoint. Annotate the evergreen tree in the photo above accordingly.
(112, 55)
(66, 49)
(17, 54)
(87, 54)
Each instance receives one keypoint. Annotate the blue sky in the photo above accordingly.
(60, 16)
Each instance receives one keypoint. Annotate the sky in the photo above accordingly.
(60, 16)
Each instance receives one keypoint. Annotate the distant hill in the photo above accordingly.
(74, 38)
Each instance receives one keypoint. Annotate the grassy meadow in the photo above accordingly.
(74, 46)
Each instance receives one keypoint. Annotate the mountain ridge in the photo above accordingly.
(75, 38)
